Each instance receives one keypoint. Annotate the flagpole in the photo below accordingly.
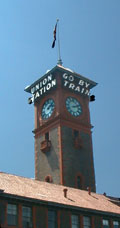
(59, 56)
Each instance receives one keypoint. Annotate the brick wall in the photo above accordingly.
(77, 161)
(64, 219)
(2, 212)
(41, 217)
(97, 222)
(47, 163)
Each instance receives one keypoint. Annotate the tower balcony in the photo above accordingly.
(45, 146)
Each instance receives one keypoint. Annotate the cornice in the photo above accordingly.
(59, 120)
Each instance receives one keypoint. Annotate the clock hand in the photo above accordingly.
(74, 106)
(50, 105)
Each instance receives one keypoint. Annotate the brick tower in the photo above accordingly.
(63, 141)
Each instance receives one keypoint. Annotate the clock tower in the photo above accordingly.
(63, 140)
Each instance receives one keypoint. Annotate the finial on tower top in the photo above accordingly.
(59, 62)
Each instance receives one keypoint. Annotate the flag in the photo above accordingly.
(54, 36)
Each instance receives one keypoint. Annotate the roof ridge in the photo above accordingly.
(16, 175)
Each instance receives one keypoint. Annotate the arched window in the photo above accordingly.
(76, 134)
(79, 181)
(78, 144)
(48, 179)
(47, 136)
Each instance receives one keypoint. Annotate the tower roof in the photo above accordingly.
(60, 68)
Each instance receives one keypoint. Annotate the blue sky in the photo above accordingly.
(90, 45)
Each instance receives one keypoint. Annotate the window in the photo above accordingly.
(46, 143)
(48, 179)
(11, 214)
(115, 224)
(105, 223)
(76, 133)
(77, 140)
(47, 136)
(26, 217)
(52, 220)
(86, 222)
(75, 221)
(79, 182)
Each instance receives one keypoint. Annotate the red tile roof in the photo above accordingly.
(30, 188)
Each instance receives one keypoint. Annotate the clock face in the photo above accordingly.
(48, 108)
(73, 106)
